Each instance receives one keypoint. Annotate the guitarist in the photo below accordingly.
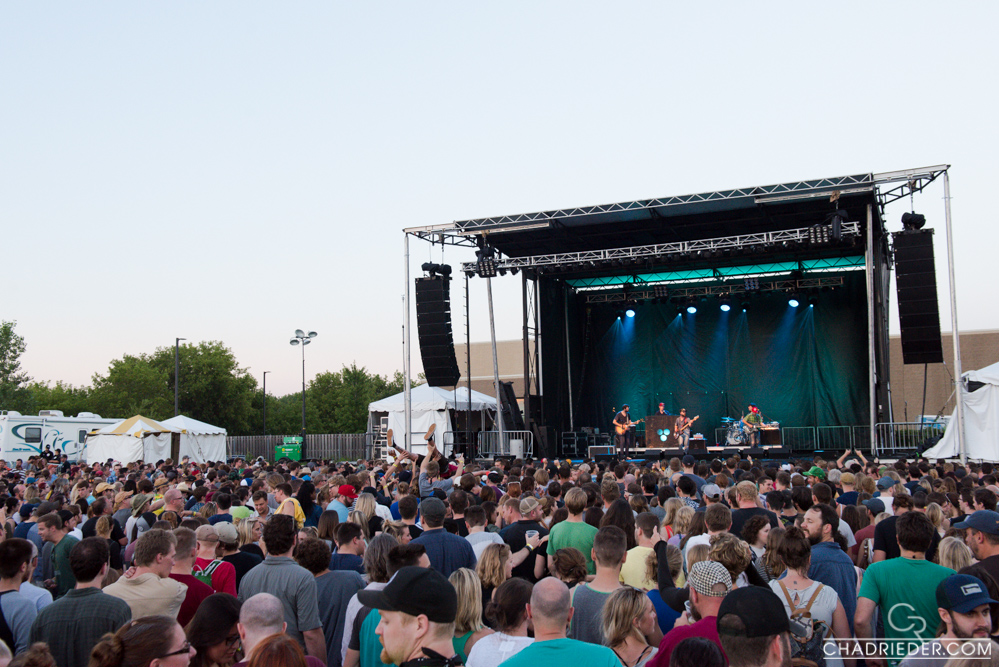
(751, 425)
(682, 428)
(625, 434)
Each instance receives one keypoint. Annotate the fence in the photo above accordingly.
(515, 443)
(332, 446)
(893, 436)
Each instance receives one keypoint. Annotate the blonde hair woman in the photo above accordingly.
(495, 566)
(629, 625)
(468, 626)
(670, 507)
(249, 531)
(359, 518)
(681, 524)
(208, 510)
(936, 516)
(954, 553)
(366, 504)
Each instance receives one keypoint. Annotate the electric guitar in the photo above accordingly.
(621, 429)
(685, 426)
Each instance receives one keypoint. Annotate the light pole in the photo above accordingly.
(265, 402)
(176, 376)
(303, 339)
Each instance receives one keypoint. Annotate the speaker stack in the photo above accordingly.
(433, 323)
(916, 283)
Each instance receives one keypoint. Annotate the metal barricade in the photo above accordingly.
(835, 437)
(799, 437)
(517, 444)
(912, 436)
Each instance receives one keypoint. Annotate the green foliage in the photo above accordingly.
(213, 389)
(71, 400)
(339, 401)
(14, 393)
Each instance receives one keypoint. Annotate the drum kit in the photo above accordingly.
(735, 433)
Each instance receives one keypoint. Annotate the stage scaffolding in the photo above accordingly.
(790, 220)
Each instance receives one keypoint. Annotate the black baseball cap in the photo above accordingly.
(760, 610)
(416, 591)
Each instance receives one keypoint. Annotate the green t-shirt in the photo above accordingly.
(64, 577)
(578, 535)
(563, 652)
(905, 590)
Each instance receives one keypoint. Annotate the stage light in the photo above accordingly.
(691, 309)
(745, 305)
(812, 299)
(630, 312)
(663, 438)
(726, 305)
(620, 314)
(913, 221)
(793, 301)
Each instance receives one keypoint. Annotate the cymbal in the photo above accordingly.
(727, 419)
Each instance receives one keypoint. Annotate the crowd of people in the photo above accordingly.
(421, 560)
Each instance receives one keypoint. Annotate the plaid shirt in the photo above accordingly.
(73, 624)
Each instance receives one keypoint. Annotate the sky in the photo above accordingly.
(234, 171)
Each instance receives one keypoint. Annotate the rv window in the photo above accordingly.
(83, 436)
(33, 434)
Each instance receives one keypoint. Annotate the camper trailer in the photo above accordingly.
(22, 436)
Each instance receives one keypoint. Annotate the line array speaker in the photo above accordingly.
(916, 283)
(433, 324)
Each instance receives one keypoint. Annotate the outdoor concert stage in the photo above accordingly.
(776, 295)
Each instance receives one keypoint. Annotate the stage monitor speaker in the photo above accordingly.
(916, 283)
(601, 451)
(433, 325)
(701, 454)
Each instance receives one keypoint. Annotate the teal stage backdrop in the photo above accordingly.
(804, 366)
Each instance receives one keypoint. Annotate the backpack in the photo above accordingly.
(204, 575)
(807, 651)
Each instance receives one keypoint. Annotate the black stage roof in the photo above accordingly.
(676, 219)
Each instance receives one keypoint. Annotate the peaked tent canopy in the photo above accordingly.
(133, 439)
(981, 420)
(430, 405)
(198, 440)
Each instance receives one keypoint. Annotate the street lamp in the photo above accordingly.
(265, 401)
(303, 339)
(176, 376)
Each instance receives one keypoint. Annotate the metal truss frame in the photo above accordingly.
(700, 248)
(714, 290)
(907, 181)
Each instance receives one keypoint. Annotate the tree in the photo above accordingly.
(338, 402)
(65, 397)
(213, 387)
(14, 393)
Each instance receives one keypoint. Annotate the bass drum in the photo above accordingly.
(734, 435)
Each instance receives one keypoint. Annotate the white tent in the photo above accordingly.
(133, 439)
(430, 405)
(981, 420)
(202, 442)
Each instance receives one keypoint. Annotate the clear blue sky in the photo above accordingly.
(236, 170)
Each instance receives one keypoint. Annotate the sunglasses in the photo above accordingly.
(186, 648)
